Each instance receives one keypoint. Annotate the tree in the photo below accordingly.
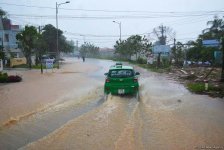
(215, 31)
(197, 51)
(121, 48)
(90, 50)
(178, 53)
(134, 45)
(2, 13)
(40, 47)
(50, 36)
(27, 39)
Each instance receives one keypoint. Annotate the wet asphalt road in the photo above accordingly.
(167, 117)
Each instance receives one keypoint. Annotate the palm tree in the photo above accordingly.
(216, 25)
(216, 29)
(2, 13)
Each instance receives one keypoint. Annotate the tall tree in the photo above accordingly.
(178, 53)
(50, 35)
(27, 39)
(2, 13)
(134, 45)
(90, 50)
(215, 31)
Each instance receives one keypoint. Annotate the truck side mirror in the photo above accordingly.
(105, 74)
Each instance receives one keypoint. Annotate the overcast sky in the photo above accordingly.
(92, 20)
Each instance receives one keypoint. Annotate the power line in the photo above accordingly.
(94, 35)
(115, 11)
(109, 17)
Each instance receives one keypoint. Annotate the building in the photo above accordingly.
(8, 38)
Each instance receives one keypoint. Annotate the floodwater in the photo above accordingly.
(166, 117)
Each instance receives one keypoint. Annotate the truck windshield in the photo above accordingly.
(124, 73)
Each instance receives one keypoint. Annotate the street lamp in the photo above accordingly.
(57, 5)
(119, 27)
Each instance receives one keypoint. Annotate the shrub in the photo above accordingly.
(196, 87)
(3, 77)
(15, 78)
(141, 61)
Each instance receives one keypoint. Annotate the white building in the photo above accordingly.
(8, 38)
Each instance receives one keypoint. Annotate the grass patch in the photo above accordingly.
(33, 66)
(213, 90)
(196, 87)
(21, 66)
(44, 66)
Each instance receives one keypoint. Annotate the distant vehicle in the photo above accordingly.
(121, 80)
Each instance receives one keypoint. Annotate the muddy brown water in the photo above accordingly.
(167, 117)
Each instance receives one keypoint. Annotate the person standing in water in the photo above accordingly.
(83, 58)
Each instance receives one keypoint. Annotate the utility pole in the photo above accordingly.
(57, 5)
(174, 46)
(77, 45)
(41, 65)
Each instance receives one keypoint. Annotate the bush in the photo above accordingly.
(196, 87)
(141, 61)
(3, 77)
(15, 78)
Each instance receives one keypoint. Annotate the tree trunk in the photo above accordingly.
(28, 58)
(30, 62)
(158, 60)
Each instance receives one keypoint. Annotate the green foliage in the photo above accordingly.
(90, 50)
(215, 31)
(134, 45)
(196, 87)
(165, 62)
(27, 39)
(3, 77)
(178, 53)
(141, 61)
(2, 55)
(50, 37)
(213, 90)
(2, 13)
(198, 52)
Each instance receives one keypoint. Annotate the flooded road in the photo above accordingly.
(166, 117)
